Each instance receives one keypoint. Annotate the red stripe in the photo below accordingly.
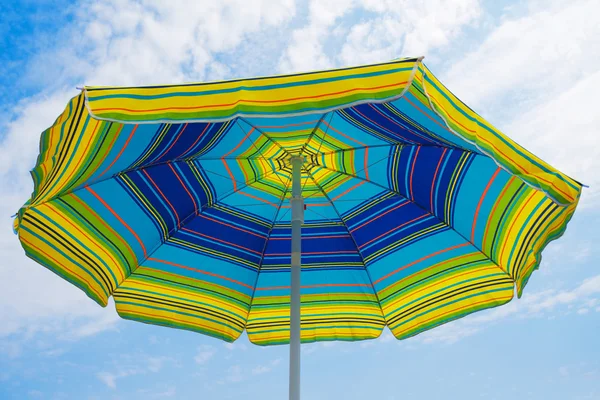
(401, 126)
(427, 114)
(383, 128)
(222, 241)
(446, 280)
(119, 218)
(312, 237)
(164, 197)
(252, 101)
(63, 266)
(393, 229)
(232, 226)
(184, 186)
(379, 216)
(83, 234)
(435, 178)
(122, 149)
(412, 171)
(87, 146)
(342, 134)
(258, 198)
(107, 226)
(420, 260)
(286, 126)
(197, 139)
(162, 316)
(200, 271)
(498, 200)
(312, 253)
(317, 286)
(514, 221)
(481, 202)
(450, 116)
(454, 310)
(174, 141)
(366, 166)
(349, 190)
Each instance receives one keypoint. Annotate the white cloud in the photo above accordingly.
(395, 28)
(170, 392)
(108, 379)
(126, 365)
(407, 28)
(534, 77)
(544, 52)
(305, 52)
(53, 352)
(160, 393)
(263, 369)
(235, 346)
(204, 354)
(564, 132)
(547, 303)
(35, 393)
(234, 375)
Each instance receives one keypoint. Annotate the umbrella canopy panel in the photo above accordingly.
(175, 201)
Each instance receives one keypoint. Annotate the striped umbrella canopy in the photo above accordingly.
(180, 202)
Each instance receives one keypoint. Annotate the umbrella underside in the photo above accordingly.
(418, 212)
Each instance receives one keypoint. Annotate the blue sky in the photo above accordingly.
(532, 68)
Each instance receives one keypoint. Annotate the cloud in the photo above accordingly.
(35, 394)
(109, 379)
(547, 303)
(564, 131)
(204, 354)
(394, 28)
(235, 346)
(53, 352)
(170, 391)
(126, 365)
(534, 77)
(448, 333)
(234, 375)
(263, 369)
(543, 51)
(407, 28)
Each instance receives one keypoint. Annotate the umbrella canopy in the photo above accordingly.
(175, 200)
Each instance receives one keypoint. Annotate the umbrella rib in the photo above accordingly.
(353, 240)
(268, 138)
(312, 133)
(399, 149)
(264, 134)
(402, 144)
(310, 209)
(320, 144)
(426, 211)
(274, 171)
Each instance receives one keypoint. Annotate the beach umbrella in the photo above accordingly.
(300, 208)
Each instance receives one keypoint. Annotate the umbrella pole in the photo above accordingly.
(297, 203)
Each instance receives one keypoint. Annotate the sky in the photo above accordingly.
(532, 68)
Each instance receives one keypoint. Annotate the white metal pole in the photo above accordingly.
(297, 203)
